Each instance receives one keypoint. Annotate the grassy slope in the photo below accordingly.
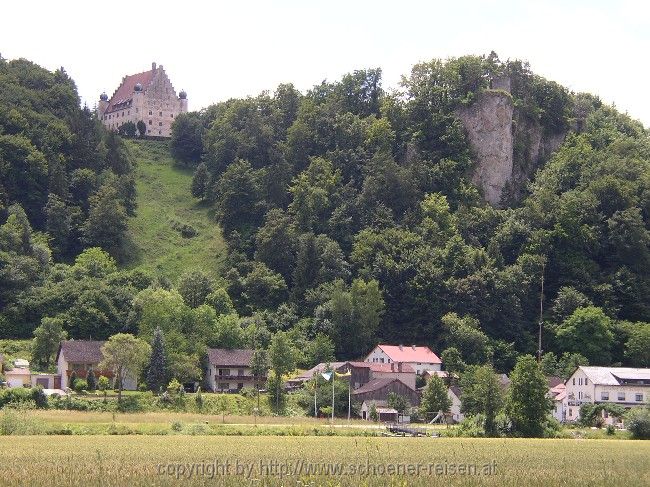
(163, 197)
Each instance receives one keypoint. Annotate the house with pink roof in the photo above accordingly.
(420, 359)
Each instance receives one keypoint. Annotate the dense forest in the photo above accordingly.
(350, 216)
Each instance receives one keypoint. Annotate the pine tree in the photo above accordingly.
(157, 368)
(91, 380)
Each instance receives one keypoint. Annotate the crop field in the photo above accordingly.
(332, 461)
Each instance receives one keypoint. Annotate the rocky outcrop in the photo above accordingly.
(488, 122)
(508, 146)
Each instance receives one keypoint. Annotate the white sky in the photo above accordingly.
(218, 50)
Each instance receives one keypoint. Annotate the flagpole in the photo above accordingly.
(333, 375)
(315, 391)
(349, 397)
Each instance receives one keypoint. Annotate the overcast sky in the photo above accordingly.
(218, 50)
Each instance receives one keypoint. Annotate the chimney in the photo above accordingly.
(413, 347)
(153, 66)
(401, 347)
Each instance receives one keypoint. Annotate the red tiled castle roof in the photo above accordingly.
(124, 92)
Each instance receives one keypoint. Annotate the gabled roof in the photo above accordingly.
(84, 351)
(124, 92)
(554, 381)
(317, 369)
(614, 376)
(377, 384)
(230, 358)
(410, 353)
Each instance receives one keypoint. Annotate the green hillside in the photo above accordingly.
(165, 204)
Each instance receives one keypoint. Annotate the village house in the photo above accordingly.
(361, 373)
(79, 356)
(625, 386)
(379, 389)
(420, 359)
(148, 97)
(454, 393)
(19, 375)
(230, 370)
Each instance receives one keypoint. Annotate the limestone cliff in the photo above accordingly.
(508, 146)
(488, 122)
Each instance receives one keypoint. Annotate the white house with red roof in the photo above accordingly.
(420, 359)
(148, 97)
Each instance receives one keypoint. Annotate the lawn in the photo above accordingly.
(164, 202)
(269, 460)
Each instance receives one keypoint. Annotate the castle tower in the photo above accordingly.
(182, 96)
(102, 105)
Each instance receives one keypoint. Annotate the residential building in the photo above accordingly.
(421, 359)
(625, 386)
(454, 393)
(230, 370)
(379, 389)
(148, 97)
(79, 356)
(19, 376)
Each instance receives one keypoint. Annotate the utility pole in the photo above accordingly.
(541, 312)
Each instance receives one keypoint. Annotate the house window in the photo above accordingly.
(638, 397)
(579, 395)
(240, 385)
(223, 386)
(240, 372)
(621, 396)
(586, 381)
(574, 381)
(224, 371)
(604, 396)
(382, 360)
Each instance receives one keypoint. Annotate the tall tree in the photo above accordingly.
(482, 394)
(47, 338)
(106, 224)
(282, 356)
(527, 402)
(434, 398)
(194, 286)
(157, 376)
(125, 355)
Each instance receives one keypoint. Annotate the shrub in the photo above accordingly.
(611, 430)
(80, 385)
(177, 426)
(248, 392)
(638, 423)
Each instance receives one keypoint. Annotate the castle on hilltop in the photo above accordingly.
(148, 97)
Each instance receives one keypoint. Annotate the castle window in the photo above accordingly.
(137, 110)
(172, 115)
(159, 124)
(160, 114)
(149, 122)
(122, 113)
(150, 112)
(129, 112)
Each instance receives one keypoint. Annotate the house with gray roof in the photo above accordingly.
(625, 386)
(229, 370)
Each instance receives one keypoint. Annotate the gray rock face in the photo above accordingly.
(488, 122)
